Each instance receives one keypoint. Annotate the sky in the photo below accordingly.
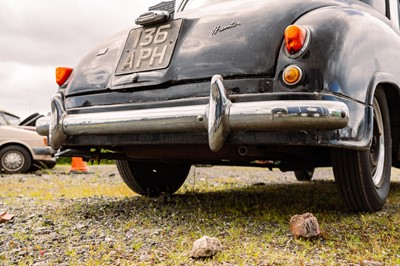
(36, 36)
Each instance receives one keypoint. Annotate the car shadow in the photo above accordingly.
(255, 202)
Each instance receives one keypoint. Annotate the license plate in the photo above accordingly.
(149, 48)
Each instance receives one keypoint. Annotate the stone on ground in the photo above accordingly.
(304, 225)
(205, 247)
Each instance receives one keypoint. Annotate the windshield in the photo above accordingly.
(190, 4)
(9, 119)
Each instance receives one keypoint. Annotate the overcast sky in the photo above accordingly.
(36, 36)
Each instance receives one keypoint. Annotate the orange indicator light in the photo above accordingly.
(292, 75)
(62, 74)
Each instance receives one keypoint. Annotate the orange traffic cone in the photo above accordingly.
(78, 166)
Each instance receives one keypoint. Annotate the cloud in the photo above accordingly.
(37, 36)
(27, 88)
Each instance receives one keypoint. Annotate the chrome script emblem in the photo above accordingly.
(220, 28)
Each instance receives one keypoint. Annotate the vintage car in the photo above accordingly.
(288, 84)
(21, 148)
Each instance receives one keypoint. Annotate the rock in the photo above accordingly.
(108, 240)
(305, 225)
(5, 217)
(205, 247)
(144, 257)
(371, 263)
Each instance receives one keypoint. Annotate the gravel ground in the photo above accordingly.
(46, 230)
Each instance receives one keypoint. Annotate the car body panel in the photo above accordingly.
(331, 59)
(211, 41)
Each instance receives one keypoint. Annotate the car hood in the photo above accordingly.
(13, 133)
(30, 128)
(233, 39)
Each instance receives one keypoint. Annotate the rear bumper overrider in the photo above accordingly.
(219, 117)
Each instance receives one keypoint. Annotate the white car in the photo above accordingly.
(21, 148)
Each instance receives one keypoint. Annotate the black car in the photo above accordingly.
(286, 84)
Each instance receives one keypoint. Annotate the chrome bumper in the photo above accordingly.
(44, 151)
(218, 118)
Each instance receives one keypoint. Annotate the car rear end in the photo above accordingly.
(205, 81)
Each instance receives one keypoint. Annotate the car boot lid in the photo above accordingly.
(198, 43)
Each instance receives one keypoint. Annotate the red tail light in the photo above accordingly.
(295, 38)
(62, 74)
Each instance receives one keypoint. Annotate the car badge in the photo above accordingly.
(220, 28)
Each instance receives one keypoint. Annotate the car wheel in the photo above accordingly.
(363, 177)
(15, 159)
(304, 175)
(153, 179)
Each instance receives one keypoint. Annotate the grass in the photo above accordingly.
(97, 220)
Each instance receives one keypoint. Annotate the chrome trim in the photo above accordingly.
(43, 125)
(218, 118)
(218, 114)
(44, 151)
(57, 136)
(152, 17)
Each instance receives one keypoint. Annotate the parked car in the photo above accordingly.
(21, 148)
(294, 85)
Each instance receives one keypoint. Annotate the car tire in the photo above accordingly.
(153, 179)
(50, 165)
(15, 159)
(363, 177)
(304, 175)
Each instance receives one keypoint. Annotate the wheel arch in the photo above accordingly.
(392, 93)
(391, 88)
